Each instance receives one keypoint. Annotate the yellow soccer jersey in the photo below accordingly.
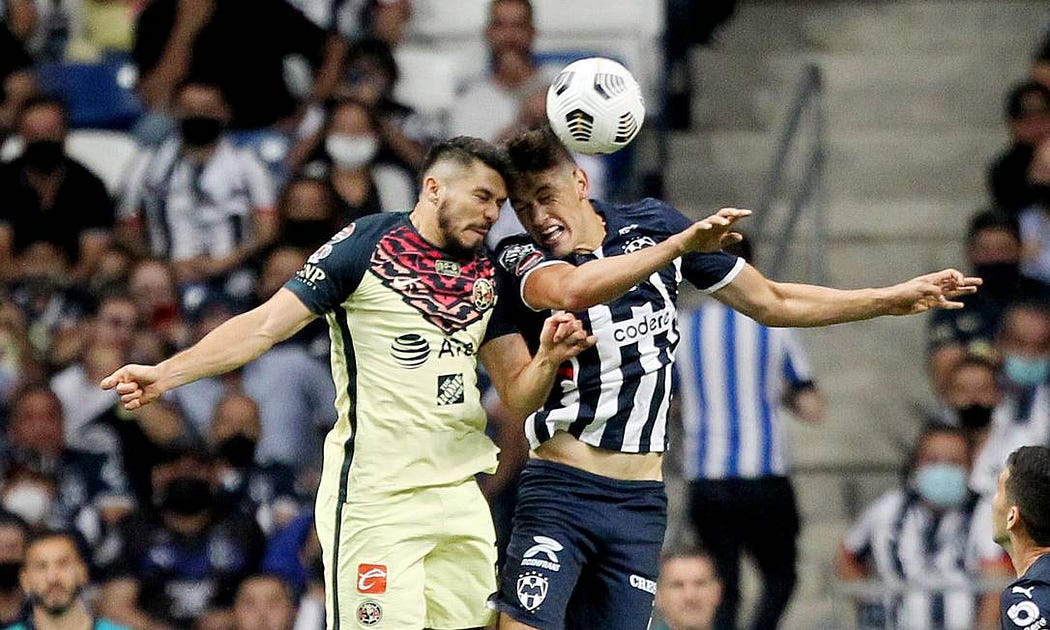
(406, 320)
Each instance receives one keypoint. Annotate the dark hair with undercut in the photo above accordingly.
(465, 151)
(72, 536)
(537, 150)
(992, 220)
(684, 552)
(1028, 487)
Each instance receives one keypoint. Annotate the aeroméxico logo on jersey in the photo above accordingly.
(642, 326)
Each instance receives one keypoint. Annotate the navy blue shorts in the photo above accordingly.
(585, 550)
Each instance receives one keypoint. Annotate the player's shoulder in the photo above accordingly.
(1025, 603)
(517, 254)
(365, 232)
(647, 209)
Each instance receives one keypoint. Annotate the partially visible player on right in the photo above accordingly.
(1021, 524)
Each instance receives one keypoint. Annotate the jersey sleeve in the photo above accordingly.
(708, 272)
(503, 320)
(335, 270)
(1024, 604)
(516, 258)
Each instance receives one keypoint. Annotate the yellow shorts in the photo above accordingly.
(411, 560)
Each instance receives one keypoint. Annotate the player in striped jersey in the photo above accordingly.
(591, 509)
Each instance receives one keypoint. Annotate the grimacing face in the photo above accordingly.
(551, 206)
(468, 200)
(53, 574)
(688, 593)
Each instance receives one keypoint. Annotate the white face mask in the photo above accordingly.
(28, 500)
(350, 151)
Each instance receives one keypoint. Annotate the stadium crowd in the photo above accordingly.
(266, 126)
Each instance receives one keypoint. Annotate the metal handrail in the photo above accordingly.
(810, 191)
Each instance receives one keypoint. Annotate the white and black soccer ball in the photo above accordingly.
(595, 106)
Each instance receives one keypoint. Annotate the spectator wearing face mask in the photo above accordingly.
(993, 250)
(200, 202)
(972, 396)
(308, 214)
(360, 185)
(928, 537)
(50, 197)
(14, 535)
(184, 560)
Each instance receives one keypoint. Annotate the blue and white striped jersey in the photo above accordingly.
(615, 395)
(734, 373)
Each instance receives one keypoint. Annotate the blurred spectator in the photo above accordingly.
(370, 77)
(993, 250)
(1035, 228)
(54, 577)
(278, 268)
(21, 16)
(1041, 63)
(386, 20)
(102, 26)
(239, 45)
(207, 206)
(927, 533)
(18, 364)
(293, 391)
(264, 602)
(51, 197)
(265, 493)
(186, 560)
(360, 185)
(308, 214)
(1028, 119)
(688, 591)
(971, 395)
(1023, 418)
(16, 79)
(151, 284)
(488, 107)
(14, 536)
(48, 483)
(735, 375)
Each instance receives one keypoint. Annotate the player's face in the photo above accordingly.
(688, 593)
(468, 204)
(263, 604)
(552, 207)
(53, 574)
(1000, 510)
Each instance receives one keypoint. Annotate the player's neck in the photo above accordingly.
(74, 618)
(426, 223)
(1023, 556)
(593, 234)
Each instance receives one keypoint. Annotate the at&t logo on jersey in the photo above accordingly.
(371, 579)
(651, 324)
(410, 350)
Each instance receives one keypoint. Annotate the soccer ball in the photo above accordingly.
(595, 106)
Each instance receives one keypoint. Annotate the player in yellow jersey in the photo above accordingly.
(411, 305)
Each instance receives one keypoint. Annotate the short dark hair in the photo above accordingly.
(72, 536)
(44, 100)
(1017, 99)
(1028, 487)
(12, 520)
(930, 430)
(525, 3)
(286, 586)
(991, 220)
(537, 150)
(685, 552)
(465, 150)
(378, 51)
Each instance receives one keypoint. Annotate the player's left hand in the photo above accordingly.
(940, 289)
(564, 337)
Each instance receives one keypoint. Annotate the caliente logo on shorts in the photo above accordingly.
(532, 590)
(545, 547)
(371, 578)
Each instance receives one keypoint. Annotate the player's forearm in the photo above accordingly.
(574, 289)
(232, 344)
(529, 388)
(806, 305)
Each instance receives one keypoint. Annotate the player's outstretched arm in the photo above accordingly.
(570, 288)
(524, 381)
(802, 305)
(233, 343)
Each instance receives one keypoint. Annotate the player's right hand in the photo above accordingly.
(136, 385)
(715, 232)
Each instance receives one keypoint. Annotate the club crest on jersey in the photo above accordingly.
(369, 613)
(532, 590)
(638, 243)
(484, 294)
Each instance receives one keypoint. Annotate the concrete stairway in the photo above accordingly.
(914, 91)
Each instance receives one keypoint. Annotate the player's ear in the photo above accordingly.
(583, 185)
(431, 189)
(1013, 516)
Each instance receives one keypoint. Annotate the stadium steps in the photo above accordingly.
(914, 93)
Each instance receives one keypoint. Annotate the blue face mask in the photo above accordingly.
(943, 485)
(1026, 372)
